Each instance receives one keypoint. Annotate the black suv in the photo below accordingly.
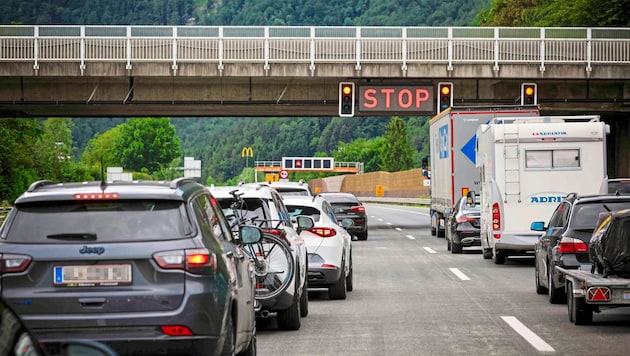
(566, 238)
(144, 267)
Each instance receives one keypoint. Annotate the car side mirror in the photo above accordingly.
(537, 226)
(304, 222)
(250, 234)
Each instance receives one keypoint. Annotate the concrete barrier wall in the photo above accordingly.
(404, 184)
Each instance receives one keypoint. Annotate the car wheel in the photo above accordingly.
(304, 300)
(363, 236)
(539, 288)
(487, 253)
(556, 295)
(498, 257)
(251, 348)
(338, 289)
(228, 342)
(349, 277)
(456, 248)
(289, 319)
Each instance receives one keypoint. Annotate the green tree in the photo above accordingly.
(397, 154)
(147, 144)
(101, 150)
(361, 150)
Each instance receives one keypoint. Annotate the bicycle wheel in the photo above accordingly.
(273, 266)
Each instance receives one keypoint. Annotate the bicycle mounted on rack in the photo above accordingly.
(274, 266)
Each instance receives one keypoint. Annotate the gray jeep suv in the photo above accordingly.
(147, 268)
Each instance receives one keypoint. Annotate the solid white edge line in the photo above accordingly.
(430, 250)
(411, 237)
(398, 229)
(535, 340)
(459, 274)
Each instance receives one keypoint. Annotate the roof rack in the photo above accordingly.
(39, 183)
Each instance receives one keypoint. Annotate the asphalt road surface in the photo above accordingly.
(413, 297)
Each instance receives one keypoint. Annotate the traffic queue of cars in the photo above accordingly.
(570, 240)
(171, 267)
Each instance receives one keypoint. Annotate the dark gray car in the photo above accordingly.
(348, 206)
(565, 239)
(463, 224)
(145, 267)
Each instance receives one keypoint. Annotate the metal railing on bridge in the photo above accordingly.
(313, 45)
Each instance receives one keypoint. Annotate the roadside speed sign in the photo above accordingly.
(284, 174)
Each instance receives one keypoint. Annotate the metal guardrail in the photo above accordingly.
(270, 44)
(389, 200)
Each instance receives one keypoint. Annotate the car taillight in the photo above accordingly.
(464, 218)
(323, 231)
(571, 245)
(496, 219)
(14, 263)
(278, 232)
(192, 260)
(176, 330)
(358, 209)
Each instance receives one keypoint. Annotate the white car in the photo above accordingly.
(329, 245)
(265, 206)
(287, 189)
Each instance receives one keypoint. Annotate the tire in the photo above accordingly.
(338, 289)
(448, 244)
(539, 288)
(487, 253)
(362, 236)
(304, 301)
(456, 248)
(289, 319)
(228, 342)
(349, 277)
(251, 349)
(440, 231)
(580, 313)
(498, 257)
(556, 295)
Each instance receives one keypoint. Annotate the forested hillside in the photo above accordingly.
(243, 12)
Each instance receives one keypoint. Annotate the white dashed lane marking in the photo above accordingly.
(529, 336)
(459, 274)
(430, 250)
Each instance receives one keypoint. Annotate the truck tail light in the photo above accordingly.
(496, 220)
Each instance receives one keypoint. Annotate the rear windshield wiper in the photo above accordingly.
(87, 236)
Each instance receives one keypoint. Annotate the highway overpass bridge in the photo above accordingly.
(105, 71)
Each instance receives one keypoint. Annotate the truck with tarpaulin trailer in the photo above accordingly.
(452, 154)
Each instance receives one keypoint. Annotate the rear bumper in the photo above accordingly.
(321, 277)
(134, 340)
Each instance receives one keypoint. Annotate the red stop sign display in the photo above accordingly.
(396, 98)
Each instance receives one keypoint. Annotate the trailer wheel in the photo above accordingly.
(580, 313)
(487, 253)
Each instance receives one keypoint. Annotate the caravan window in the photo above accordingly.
(552, 159)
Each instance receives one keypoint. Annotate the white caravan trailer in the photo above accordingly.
(452, 143)
(527, 166)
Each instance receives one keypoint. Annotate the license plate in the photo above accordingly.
(92, 275)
